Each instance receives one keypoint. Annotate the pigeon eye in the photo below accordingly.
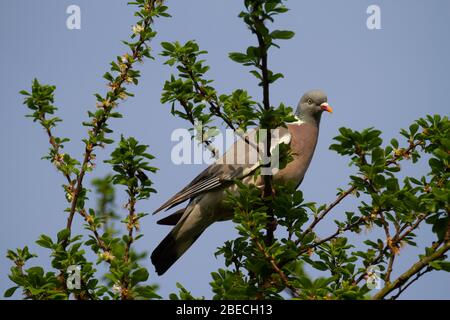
(310, 101)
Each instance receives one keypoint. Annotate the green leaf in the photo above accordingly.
(8, 293)
(168, 46)
(147, 292)
(173, 296)
(319, 265)
(139, 275)
(45, 241)
(63, 235)
(239, 57)
(440, 227)
(413, 129)
(440, 265)
(282, 34)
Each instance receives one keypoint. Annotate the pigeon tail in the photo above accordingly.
(175, 244)
(172, 219)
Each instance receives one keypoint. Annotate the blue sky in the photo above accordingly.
(382, 78)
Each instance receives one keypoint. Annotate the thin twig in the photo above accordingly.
(130, 240)
(130, 226)
(416, 268)
(397, 239)
(387, 277)
(421, 217)
(94, 230)
(322, 215)
(191, 119)
(56, 146)
(215, 107)
(100, 123)
(276, 268)
(391, 245)
(350, 190)
(333, 236)
(417, 277)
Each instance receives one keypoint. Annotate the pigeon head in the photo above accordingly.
(311, 106)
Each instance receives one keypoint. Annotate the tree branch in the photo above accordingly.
(99, 124)
(322, 215)
(333, 236)
(267, 191)
(215, 107)
(56, 148)
(276, 268)
(130, 226)
(191, 119)
(397, 239)
(416, 268)
(349, 191)
(417, 277)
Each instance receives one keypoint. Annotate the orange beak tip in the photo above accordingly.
(326, 107)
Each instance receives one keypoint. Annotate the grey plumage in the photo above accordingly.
(207, 191)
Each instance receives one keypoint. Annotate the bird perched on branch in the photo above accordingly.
(207, 192)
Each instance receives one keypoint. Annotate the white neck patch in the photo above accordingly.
(298, 121)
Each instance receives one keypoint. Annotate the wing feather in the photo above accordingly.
(220, 173)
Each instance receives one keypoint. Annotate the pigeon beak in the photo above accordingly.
(326, 107)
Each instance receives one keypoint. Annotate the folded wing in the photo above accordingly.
(239, 161)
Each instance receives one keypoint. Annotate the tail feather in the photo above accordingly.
(165, 255)
(172, 219)
(175, 244)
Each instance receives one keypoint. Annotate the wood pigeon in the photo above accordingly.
(206, 193)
